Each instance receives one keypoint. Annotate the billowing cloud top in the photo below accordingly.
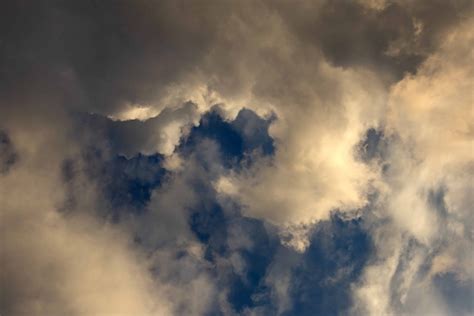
(236, 158)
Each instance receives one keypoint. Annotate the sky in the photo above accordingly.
(257, 157)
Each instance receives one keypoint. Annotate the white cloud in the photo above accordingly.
(431, 113)
(315, 169)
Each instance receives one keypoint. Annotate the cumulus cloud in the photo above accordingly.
(427, 186)
(314, 169)
(176, 157)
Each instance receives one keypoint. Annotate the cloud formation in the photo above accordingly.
(428, 181)
(238, 158)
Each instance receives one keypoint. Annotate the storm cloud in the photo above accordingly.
(236, 158)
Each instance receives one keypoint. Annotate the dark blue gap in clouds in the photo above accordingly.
(321, 282)
(210, 223)
(248, 290)
(132, 180)
(126, 183)
(236, 139)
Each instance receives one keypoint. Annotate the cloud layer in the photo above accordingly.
(238, 158)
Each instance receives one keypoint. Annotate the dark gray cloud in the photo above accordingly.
(108, 52)
(104, 54)
(8, 155)
(395, 37)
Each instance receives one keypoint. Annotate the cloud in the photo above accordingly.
(8, 156)
(70, 264)
(158, 134)
(76, 261)
(431, 114)
(314, 169)
(167, 157)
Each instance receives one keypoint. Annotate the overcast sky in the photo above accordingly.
(264, 157)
